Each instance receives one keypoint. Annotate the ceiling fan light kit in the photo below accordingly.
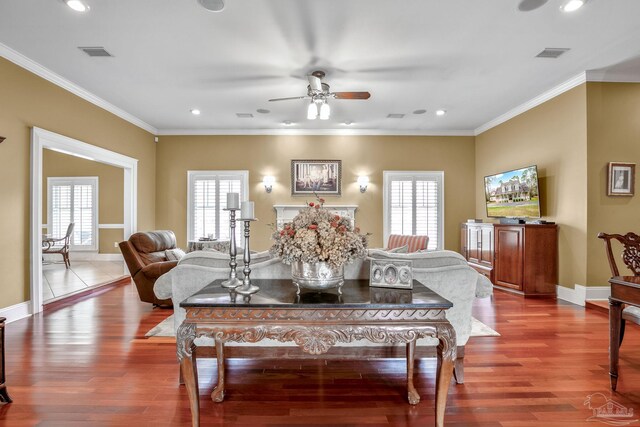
(319, 93)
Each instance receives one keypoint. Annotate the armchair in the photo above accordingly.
(631, 258)
(59, 246)
(145, 256)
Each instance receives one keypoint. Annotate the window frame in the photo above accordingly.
(193, 175)
(76, 180)
(388, 176)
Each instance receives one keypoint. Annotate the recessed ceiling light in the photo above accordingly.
(347, 123)
(77, 5)
(572, 5)
(287, 123)
(263, 111)
(441, 112)
(419, 111)
(195, 112)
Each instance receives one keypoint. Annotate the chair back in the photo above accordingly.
(67, 236)
(630, 252)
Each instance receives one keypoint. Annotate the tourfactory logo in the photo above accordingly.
(608, 411)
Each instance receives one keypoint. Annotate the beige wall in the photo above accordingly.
(27, 101)
(110, 192)
(272, 155)
(613, 111)
(553, 136)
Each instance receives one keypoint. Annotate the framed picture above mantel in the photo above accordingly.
(621, 179)
(321, 177)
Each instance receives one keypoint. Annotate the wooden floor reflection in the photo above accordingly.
(87, 363)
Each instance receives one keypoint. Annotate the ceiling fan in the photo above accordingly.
(318, 92)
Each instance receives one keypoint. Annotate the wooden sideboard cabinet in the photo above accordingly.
(521, 258)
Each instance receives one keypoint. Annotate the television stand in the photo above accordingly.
(512, 221)
(519, 258)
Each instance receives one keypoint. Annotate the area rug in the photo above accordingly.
(165, 329)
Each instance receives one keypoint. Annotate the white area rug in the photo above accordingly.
(165, 329)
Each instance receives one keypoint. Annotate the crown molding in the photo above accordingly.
(310, 132)
(612, 77)
(41, 71)
(542, 98)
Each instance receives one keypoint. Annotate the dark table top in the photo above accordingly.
(355, 294)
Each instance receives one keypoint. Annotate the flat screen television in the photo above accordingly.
(513, 194)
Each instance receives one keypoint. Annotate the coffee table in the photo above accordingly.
(315, 322)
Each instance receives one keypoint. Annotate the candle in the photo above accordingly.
(246, 212)
(233, 201)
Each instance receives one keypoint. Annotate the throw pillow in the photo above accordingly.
(399, 250)
(174, 254)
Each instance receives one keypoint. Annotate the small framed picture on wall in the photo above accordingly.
(621, 179)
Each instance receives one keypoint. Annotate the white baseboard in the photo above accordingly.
(16, 312)
(84, 256)
(580, 293)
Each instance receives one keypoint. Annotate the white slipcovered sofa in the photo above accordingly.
(445, 272)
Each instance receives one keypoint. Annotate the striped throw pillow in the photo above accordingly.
(414, 243)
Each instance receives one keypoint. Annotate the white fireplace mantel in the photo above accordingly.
(286, 213)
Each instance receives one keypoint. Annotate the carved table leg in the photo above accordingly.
(186, 355)
(217, 395)
(413, 396)
(615, 315)
(446, 359)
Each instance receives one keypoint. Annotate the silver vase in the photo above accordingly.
(317, 276)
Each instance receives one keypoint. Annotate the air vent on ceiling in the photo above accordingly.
(95, 51)
(552, 52)
(395, 116)
(244, 115)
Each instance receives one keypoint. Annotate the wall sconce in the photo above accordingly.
(268, 183)
(363, 182)
(2, 138)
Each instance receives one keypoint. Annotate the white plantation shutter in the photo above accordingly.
(413, 205)
(60, 208)
(83, 234)
(74, 200)
(208, 197)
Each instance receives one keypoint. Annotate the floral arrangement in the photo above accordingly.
(317, 235)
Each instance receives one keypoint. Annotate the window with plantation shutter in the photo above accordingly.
(413, 205)
(74, 199)
(207, 196)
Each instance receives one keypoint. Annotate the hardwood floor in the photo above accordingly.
(87, 363)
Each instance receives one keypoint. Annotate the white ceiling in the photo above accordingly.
(475, 59)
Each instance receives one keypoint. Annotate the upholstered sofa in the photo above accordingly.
(146, 256)
(445, 272)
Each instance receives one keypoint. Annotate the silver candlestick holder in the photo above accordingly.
(233, 281)
(247, 289)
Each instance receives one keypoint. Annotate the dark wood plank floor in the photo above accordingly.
(87, 364)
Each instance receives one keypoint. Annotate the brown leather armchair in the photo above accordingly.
(144, 254)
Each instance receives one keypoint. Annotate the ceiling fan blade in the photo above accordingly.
(289, 99)
(352, 95)
(315, 83)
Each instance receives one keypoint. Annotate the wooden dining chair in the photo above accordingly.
(631, 258)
